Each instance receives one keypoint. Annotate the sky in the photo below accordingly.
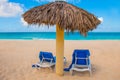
(108, 11)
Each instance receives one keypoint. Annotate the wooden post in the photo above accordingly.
(59, 50)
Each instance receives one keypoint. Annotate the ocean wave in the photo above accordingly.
(41, 39)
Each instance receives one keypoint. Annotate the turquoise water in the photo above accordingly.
(52, 36)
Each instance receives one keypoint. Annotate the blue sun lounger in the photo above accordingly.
(46, 60)
(80, 61)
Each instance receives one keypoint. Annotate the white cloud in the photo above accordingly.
(3, 1)
(101, 19)
(24, 22)
(10, 9)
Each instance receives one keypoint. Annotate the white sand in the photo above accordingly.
(16, 58)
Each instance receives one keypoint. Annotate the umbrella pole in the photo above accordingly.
(59, 50)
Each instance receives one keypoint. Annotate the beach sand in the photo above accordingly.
(17, 56)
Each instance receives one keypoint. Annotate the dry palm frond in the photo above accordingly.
(66, 15)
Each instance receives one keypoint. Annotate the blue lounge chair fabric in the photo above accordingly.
(46, 57)
(79, 54)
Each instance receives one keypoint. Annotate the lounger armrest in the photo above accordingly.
(51, 60)
(48, 58)
(82, 58)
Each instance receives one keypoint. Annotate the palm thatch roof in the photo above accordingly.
(66, 15)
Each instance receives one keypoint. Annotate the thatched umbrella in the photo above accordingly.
(66, 17)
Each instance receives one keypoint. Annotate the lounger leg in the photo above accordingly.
(51, 68)
(54, 68)
(71, 71)
(90, 71)
(65, 61)
(36, 65)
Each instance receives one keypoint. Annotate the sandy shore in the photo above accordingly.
(16, 58)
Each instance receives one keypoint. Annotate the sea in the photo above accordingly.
(52, 36)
